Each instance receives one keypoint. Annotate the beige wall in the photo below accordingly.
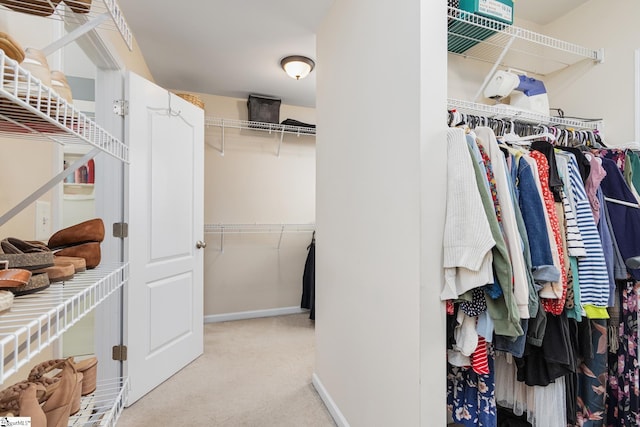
(250, 184)
(605, 90)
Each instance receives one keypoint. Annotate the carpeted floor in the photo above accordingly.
(253, 373)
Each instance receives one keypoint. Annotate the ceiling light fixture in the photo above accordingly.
(296, 66)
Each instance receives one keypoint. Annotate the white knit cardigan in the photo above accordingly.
(467, 234)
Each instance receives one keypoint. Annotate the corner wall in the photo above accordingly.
(381, 99)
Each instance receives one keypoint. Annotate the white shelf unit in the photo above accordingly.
(492, 41)
(28, 108)
(105, 14)
(103, 406)
(271, 128)
(501, 111)
(35, 321)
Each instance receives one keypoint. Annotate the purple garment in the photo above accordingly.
(592, 184)
(624, 219)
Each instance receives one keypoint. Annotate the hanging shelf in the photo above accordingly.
(104, 14)
(488, 40)
(274, 128)
(506, 112)
(37, 320)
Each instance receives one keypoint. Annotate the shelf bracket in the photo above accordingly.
(222, 127)
(48, 186)
(281, 233)
(280, 143)
(221, 239)
(495, 66)
(75, 34)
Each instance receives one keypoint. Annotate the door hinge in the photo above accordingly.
(121, 107)
(119, 352)
(120, 230)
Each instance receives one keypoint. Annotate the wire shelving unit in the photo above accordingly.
(502, 111)
(35, 321)
(104, 406)
(474, 36)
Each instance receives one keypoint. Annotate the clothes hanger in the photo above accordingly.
(513, 138)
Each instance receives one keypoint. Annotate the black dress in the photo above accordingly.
(309, 280)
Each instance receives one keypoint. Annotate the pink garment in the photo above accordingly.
(592, 184)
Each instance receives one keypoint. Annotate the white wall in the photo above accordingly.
(380, 343)
(605, 90)
(251, 184)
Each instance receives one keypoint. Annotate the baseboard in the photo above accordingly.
(340, 420)
(215, 318)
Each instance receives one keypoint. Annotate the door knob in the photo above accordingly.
(200, 244)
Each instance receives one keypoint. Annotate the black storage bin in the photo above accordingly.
(263, 109)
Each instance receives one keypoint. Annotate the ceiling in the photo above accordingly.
(228, 47)
(233, 47)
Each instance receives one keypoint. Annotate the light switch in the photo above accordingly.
(43, 220)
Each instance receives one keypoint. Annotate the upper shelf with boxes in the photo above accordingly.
(483, 30)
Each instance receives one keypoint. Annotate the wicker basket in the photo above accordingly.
(194, 99)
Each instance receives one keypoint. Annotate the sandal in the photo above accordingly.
(21, 400)
(60, 272)
(79, 6)
(37, 283)
(60, 85)
(32, 7)
(11, 47)
(88, 367)
(13, 277)
(89, 251)
(35, 257)
(63, 396)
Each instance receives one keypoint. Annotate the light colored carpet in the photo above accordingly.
(253, 373)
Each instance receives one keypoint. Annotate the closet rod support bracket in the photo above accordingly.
(495, 66)
(600, 56)
(75, 34)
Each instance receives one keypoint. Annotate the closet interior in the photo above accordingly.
(541, 242)
(259, 209)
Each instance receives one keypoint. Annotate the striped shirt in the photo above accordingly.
(592, 269)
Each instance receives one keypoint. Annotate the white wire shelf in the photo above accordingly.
(484, 39)
(224, 229)
(104, 406)
(35, 321)
(271, 128)
(99, 8)
(258, 228)
(30, 109)
(501, 111)
(260, 126)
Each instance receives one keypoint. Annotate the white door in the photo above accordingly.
(164, 314)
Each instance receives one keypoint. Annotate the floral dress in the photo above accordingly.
(471, 397)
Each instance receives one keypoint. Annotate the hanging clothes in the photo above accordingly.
(309, 280)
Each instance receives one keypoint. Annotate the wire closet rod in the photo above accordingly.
(223, 229)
